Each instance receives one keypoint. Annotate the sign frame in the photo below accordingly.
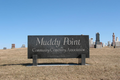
(58, 46)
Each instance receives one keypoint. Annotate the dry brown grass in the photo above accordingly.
(104, 64)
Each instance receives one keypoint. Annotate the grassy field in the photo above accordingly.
(104, 64)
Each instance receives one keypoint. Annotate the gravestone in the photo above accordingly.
(109, 43)
(117, 43)
(13, 46)
(117, 39)
(103, 44)
(23, 46)
(61, 46)
(91, 45)
(91, 41)
(98, 43)
(113, 43)
(4, 48)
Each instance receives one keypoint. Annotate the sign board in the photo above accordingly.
(58, 46)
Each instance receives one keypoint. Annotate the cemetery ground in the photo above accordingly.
(104, 64)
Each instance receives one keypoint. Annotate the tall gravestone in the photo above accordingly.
(113, 43)
(98, 43)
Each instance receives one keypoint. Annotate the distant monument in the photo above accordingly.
(103, 44)
(117, 43)
(109, 43)
(4, 48)
(98, 43)
(13, 46)
(91, 44)
(113, 43)
(117, 39)
(23, 46)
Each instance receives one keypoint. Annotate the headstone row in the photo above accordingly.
(98, 44)
(13, 46)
